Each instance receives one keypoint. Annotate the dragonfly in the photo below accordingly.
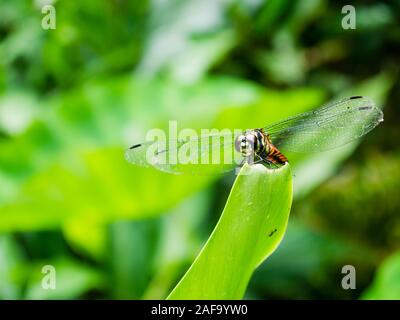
(330, 126)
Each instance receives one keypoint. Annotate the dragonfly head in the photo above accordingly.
(250, 143)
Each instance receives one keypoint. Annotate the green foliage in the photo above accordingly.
(250, 228)
(12, 271)
(385, 285)
(74, 98)
(72, 279)
(64, 158)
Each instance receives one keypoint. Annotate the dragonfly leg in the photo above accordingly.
(269, 162)
(253, 159)
(263, 160)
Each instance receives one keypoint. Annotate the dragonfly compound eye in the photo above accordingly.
(250, 146)
(245, 144)
(240, 141)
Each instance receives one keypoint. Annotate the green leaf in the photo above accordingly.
(132, 252)
(86, 236)
(250, 228)
(179, 243)
(13, 266)
(386, 284)
(72, 280)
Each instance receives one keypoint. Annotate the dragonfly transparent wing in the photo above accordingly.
(210, 154)
(330, 126)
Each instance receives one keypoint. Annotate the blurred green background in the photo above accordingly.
(72, 99)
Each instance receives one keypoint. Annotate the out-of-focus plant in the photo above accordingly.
(72, 99)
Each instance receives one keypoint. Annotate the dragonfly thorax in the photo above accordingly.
(251, 143)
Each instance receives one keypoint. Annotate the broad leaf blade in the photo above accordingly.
(250, 228)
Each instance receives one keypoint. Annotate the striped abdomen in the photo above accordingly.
(275, 156)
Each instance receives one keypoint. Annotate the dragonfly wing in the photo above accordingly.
(332, 125)
(211, 154)
(137, 154)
